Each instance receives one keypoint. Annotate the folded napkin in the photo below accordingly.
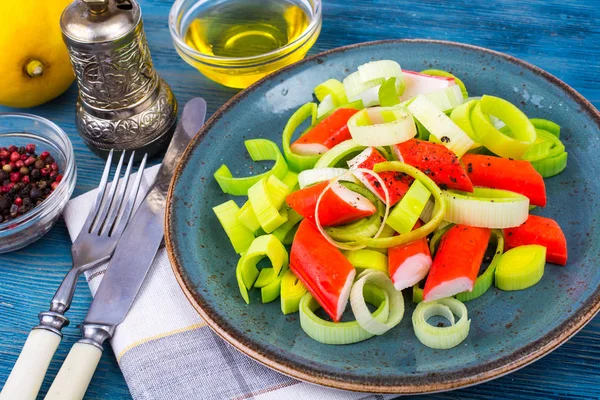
(166, 351)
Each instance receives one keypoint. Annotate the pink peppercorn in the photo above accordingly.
(30, 148)
(45, 171)
(14, 156)
(58, 178)
(44, 155)
(18, 202)
(26, 179)
(4, 154)
(54, 185)
(15, 177)
(54, 166)
(29, 161)
(19, 164)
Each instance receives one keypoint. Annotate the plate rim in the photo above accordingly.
(470, 376)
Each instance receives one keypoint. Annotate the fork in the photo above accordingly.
(94, 245)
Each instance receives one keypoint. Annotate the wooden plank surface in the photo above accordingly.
(560, 36)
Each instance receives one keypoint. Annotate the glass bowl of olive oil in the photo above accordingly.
(237, 42)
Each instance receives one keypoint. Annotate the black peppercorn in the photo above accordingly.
(35, 174)
(3, 176)
(4, 203)
(42, 185)
(39, 164)
(49, 160)
(34, 193)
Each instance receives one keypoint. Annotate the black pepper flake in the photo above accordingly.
(443, 186)
(377, 184)
(470, 167)
(453, 179)
(427, 171)
(489, 164)
(445, 139)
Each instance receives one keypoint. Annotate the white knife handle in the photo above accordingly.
(76, 373)
(27, 375)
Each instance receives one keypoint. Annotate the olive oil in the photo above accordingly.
(248, 28)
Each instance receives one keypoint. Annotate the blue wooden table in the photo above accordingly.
(560, 36)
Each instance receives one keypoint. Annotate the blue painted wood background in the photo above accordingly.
(562, 37)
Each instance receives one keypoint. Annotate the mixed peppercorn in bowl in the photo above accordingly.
(37, 177)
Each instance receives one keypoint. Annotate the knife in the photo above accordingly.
(128, 267)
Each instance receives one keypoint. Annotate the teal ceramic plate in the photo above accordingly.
(508, 329)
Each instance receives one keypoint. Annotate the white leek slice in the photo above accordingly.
(441, 337)
(325, 106)
(370, 97)
(446, 99)
(386, 69)
(382, 126)
(354, 85)
(361, 311)
(316, 175)
(486, 208)
(440, 125)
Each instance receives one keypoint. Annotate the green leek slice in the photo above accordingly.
(417, 293)
(405, 214)
(461, 116)
(247, 217)
(367, 259)
(240, 236)
(441, 337)
(250, 276)
(437, 218)
(521, 267)
(271, 291)
(522, 130)
(325, 107)
(546, 146)
(263, 246)
(440, 125)
(285, 232)
(333, 88)
(259, 150)
(435, 239)
(266, 197)
(486, 208)
(388, 96)
(291, 180)
(328, 332)
(292, 291)
(298, 162)
(339, 154)
(382, 126)
(439, 72)
(549, 167)
(546, 125)
(359, 306)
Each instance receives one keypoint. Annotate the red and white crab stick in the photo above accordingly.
(408, 264)
(397, 183)
(339, 205)
(326, 134)
(457, 262)
(322, 268)
(436, 161)
(417, 83)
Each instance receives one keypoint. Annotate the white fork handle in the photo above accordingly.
(27, 375)
(76, 373)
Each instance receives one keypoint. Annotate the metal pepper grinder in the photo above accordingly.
(123, 103)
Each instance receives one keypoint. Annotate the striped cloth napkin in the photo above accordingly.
(166, 351)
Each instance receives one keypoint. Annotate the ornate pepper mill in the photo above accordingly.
(123, 103)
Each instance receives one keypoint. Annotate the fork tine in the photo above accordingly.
(89, 222)
(100, 221)
(120, 224)
(120, 197)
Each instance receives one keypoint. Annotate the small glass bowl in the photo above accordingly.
(243, 71)
(19, 130)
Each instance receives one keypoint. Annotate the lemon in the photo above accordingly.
(34, 66)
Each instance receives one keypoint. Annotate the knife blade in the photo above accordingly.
(127, 268)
